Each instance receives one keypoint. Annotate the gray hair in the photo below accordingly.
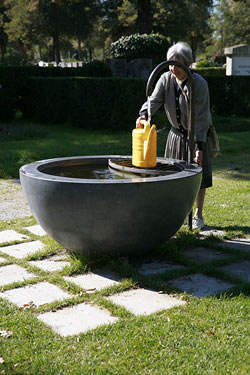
(181, 50)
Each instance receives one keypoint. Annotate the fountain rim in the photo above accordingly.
(31, 170)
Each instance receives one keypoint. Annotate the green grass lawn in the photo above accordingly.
(205, 336)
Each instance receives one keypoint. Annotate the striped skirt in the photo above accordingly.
(177, 148)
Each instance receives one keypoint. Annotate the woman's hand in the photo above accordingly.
(138, 123)
(198, 157)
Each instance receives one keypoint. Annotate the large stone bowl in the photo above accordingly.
(125, 216)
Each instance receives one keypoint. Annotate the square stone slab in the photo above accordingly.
(92, 282)
(11, 235)
(144, 301)
(23, 249)
(241, 270)
(13, 273)
(239, 244)
(39, 294)
(76, 319)
(157, 268)
(200, 285)
(50, 264)
(36, 229)
(201, 255)
(209, 231)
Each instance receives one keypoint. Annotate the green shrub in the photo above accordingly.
(140, 46)
(85, 102)
(111, 103)
(211, 71)
(229, 95)
(204, 64)
(13, 78)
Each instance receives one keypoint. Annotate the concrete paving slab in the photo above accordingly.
(202, 255)
(144, 301)
(200, 285)
(50, 265)
(36, 229)
(209, 231)
(76, 319)
(92, 282)
(23, 249)
(239, 244)
(154, 268)
(11, 235)
(39, 294)
(13, 273)
(241, 270)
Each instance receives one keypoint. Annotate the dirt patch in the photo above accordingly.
(12, 201)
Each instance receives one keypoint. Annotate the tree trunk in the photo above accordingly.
(39, 53)
(56, 50)
(79, 49)
(3, 45)
(144, 17)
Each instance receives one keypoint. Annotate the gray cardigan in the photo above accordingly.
(164, 93)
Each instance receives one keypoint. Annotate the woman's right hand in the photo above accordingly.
(138, 123)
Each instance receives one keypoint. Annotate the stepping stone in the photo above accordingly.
(200, 285)
(76, 319)
(2, 260)
(36, 229)
(209, 231)
(50, 264)
(241, 270)
(13, 273)
(154, 268)
(201, 255)
(239, 244)
(11, 235)
(39, 294)
(92, 282)
(144, 301)
(23, 249)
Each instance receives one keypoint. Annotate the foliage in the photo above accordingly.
(99, 102)
(85, 102)
(210, 71)
(140, 46)
(35, 22)
(203, 64)
(183, 20)
(230, 25)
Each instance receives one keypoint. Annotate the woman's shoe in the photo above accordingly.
(198, 223)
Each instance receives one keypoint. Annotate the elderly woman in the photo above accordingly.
(172, 91)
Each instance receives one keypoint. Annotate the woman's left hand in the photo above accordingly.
(198, 157)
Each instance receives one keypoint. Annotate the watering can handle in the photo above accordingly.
(144, 122)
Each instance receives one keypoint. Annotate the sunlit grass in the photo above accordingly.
(204, 336)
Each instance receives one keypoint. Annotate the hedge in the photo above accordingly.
(205, 72)
(105, 102)
(84, 102)
(13, 81)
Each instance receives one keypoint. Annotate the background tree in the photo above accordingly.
(230, 24)
(34, 21)
(81, 19)
(3, 35)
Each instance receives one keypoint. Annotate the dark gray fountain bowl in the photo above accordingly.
(125, 216)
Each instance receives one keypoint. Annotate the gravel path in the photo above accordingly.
(12, 202)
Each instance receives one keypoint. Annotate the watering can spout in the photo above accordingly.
(144, 146)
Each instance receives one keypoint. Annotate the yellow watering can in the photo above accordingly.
(144, 146)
